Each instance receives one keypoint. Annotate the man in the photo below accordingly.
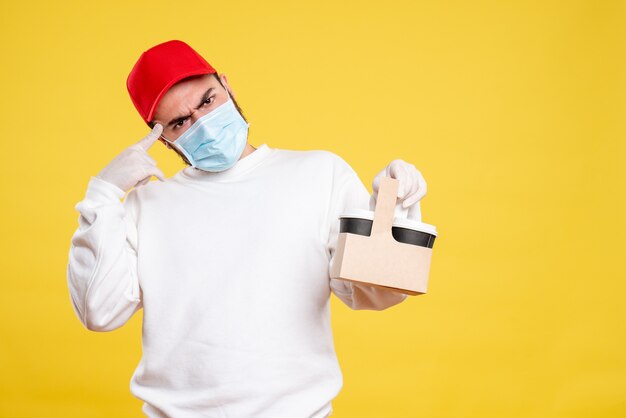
(228, 258)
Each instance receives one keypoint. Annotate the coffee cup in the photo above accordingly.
(408, 231)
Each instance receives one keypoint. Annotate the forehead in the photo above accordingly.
(184, 95)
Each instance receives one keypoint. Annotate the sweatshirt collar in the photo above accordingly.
(241, 166)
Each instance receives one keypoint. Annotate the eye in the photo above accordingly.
(180, 123)
(208, 100)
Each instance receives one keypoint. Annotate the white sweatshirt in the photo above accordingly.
(232, 272)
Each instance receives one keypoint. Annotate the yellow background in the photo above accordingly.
(513, 111)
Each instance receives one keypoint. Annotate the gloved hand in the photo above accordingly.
(133, 166)
(411, 187)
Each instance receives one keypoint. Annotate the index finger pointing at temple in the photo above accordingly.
(151, 138)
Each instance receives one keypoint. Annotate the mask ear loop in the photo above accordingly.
(169, 146)
(230, 98)
(172, 146)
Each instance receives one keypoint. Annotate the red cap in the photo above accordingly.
(158, 69)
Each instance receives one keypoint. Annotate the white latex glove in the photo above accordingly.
(133, 166)
(411, 187)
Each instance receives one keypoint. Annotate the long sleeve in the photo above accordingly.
(102, 266)
(349, 192)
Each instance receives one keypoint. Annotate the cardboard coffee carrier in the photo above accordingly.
(377, 249)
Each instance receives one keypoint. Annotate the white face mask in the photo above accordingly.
(216, 140)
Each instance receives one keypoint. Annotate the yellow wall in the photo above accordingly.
(513, 111)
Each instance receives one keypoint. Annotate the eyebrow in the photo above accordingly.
(183, 117)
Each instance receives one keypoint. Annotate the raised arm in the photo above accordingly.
(102, 266)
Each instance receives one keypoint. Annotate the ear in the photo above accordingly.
(225, 83)
(164, 142)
